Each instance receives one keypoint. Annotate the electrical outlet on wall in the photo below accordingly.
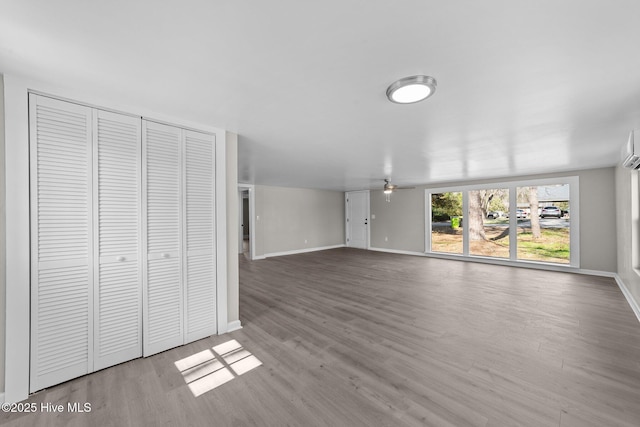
(386, 239)
(305, 241)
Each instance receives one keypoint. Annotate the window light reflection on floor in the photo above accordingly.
(209, 369)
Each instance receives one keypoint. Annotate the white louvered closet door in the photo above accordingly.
(61, 241)
(200, 260)
(162, 224)
(118, 252)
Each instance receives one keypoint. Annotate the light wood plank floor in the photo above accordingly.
(358, 338)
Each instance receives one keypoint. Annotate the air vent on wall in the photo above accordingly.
(631, 153)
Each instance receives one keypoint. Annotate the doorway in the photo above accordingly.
(357, 219)
(246, 223)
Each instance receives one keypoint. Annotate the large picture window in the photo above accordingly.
(526, 221)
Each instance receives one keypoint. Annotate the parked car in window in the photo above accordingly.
(550, 212)
(520, 213)
(494, 214)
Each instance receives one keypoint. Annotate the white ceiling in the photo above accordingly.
(523, 86)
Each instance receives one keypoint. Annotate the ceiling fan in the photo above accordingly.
(390, 188)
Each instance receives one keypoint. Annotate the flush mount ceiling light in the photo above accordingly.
(411, 89)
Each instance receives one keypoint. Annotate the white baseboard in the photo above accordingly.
(234, 326)
(397, 251)
(630, 299)
(300, 251)
(507, 263)
(596, 273)
(258, 257)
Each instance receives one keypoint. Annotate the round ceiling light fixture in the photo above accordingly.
(411, 89)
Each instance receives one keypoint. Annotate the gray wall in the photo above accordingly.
(2, 238)
(598, 241)
(286, 217)
(402, 220)
(627, 187)
(233, 280)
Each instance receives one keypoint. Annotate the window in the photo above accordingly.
(528, 221)
(446, 227)
(488, 215)
(543, 233)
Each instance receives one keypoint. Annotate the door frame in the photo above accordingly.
(252, 217)
(347, 229)
(240, 218)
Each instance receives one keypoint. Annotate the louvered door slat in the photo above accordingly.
(61, 222)
(117, 172)
(162, 218)
(200, 278)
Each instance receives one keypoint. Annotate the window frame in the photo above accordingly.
(512, 186)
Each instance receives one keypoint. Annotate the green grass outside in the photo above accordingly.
(552, 246)
(554, 243)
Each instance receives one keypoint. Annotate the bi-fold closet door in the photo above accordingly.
(117, 210)
(179, 225)
(86, 293)
(118, 269)
(62, 282)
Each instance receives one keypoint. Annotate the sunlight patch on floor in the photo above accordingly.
(209, 369)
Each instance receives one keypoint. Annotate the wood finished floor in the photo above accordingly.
(358, 338)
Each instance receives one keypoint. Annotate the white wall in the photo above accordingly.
(16, 368)
(2, 239)
(402, 220)
(233, 301)
(627, 187)
(297, 219)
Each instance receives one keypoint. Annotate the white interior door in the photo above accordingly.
(61, 241)
(357, 224)
(200, 242)
(162, 222)
(117, 213)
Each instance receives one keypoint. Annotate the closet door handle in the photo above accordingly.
(166, 255)
(121, 258)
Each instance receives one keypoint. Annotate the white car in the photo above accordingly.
(550, 211)
(519, 214)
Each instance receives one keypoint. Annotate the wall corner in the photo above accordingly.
(231, 161)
